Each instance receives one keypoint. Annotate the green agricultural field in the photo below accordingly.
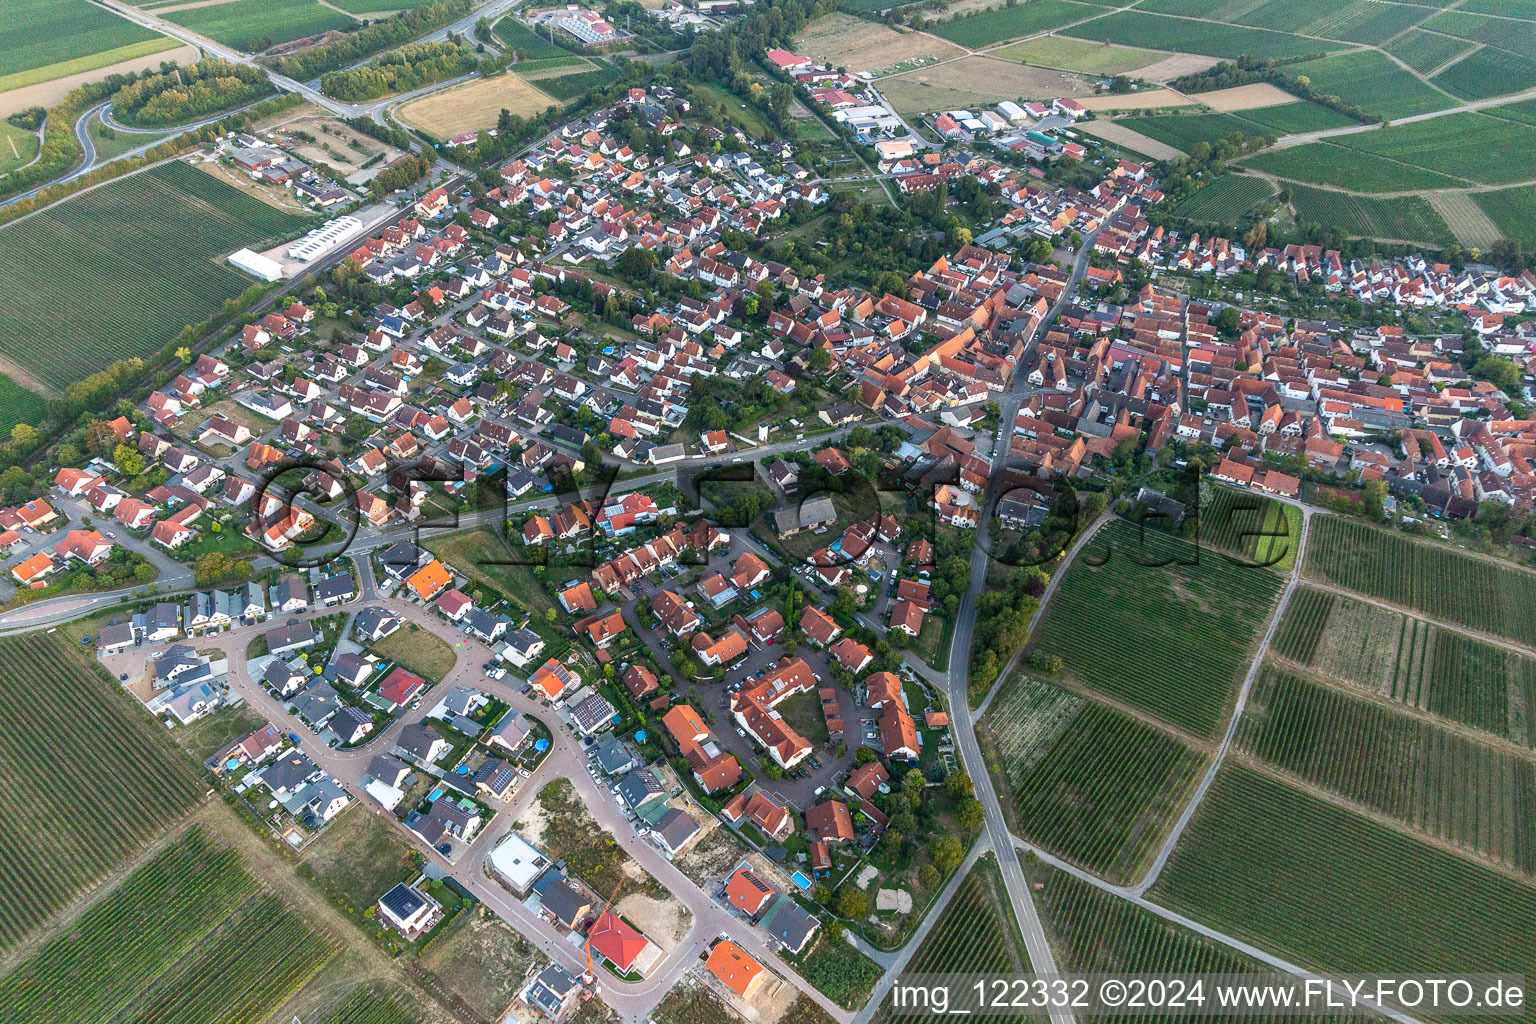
(1410, 661)
(40, 34)
(1328, 888)
(976, 933)
(371, 6)
(1355, 21)
(1252, 528)
(1166, 636)
(567, 87)
(214, 948)
(1488, 72)
(1216, 10)
(1402, 218)
(365, 1006)
(18, 405)
(1475, 146)
(1327, 164)
(1482, 28)
(1525, 9)
(551, 67)
(1524, 111)
(1290, 118)
(118, 271)
(1078, 55)
(1157, 32)
(1004, 23)
(1225, 200)
(256, 25)
(526, 41)
(1096, 931)
(1182, 131)
(1371, 81)
(1425, 51)
(1438, 581)
(70, 825)
(1465, 792)
(1084, 781)
(1513, 210)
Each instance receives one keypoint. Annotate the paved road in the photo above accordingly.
(1042, 959)
(633, 1000)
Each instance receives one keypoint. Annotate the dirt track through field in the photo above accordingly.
(21, 375)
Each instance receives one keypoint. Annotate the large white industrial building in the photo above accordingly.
(257, 265)
(324, 238)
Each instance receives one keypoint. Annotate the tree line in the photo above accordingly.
(381, 35)
(410, 67)
(185, 94)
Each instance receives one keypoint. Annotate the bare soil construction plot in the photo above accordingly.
(1120, 135)
(1246, 97)
(848, 42)
(474, 106)
(1151, 99)
(1176, 66)
(341, 147)
(977, 80)
(48, 94)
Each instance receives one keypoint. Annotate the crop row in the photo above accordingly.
(118, 948)
(365, 1006)
(1225, 200)
(1443, 584)
(1331, 889)
(1462, 791)
(1158, 625)
(1253, 528)
(1104, 794)
(259, 957)
(1400, 218)
(72, 821)
(118, 271)
(975, 934)
(1406, 659)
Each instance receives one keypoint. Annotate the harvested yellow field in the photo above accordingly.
(1147, 99)
(1246, 97)
(973, 81)
(1120, 135)
(1176, 66)
(474, 106)
(843, 41)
